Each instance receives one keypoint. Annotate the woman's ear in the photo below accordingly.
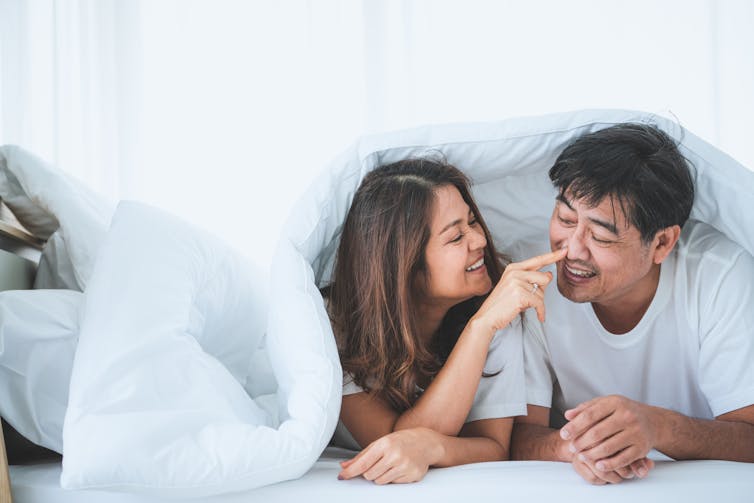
(664, 241)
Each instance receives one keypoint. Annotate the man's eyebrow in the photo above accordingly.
(607, 225)
(610, 226)
(563, 200)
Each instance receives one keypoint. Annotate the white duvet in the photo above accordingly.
(184, 381)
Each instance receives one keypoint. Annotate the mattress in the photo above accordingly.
(686, 481)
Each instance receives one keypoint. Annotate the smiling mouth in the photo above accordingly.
(476, 265)
(579, 273)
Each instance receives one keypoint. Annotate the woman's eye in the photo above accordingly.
(457, 238)
(473, 222)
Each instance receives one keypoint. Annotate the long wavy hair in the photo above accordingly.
(375, 289)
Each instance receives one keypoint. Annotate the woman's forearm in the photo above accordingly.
(463, 450)
(445, 404)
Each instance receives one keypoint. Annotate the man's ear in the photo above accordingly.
(664, 241)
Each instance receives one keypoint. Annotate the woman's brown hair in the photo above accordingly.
(372, 299)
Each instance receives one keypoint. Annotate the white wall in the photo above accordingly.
(223, 111)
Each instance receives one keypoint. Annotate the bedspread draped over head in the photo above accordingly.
(244, 444)
(507, 162)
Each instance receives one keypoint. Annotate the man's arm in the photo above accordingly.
(532, 439)
(613, 431)
(730, 436)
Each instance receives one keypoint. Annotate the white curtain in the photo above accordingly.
(224, 110)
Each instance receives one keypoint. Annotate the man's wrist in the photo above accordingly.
(561, 447)
(658, 420)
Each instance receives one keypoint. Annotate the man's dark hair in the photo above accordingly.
(638, 165)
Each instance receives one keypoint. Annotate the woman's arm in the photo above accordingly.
(406, 455)
(446, 402)
(444, 405)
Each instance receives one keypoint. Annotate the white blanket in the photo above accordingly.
(156, 398)
(171, 387)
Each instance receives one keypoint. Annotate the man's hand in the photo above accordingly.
(609, 432)
(591, 474)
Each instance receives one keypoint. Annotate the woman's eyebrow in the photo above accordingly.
(451, 224)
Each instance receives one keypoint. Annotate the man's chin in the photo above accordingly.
(572, 293)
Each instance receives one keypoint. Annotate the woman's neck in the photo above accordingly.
(429, 320)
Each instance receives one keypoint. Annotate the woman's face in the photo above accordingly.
(455, 252)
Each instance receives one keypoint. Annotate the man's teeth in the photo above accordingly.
(580, 273)
(476, 265)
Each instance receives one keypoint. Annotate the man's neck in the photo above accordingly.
(621, 315)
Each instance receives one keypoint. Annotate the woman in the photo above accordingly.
(432, 376)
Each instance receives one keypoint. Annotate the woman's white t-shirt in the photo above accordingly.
(497, 396)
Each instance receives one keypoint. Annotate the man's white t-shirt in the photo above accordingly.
(497, 396)
(692, 351)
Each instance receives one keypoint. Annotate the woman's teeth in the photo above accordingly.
(476, 265)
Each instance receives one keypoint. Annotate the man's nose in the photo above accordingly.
(577, 249)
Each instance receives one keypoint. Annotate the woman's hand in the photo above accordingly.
(399, 457)
(521, 287)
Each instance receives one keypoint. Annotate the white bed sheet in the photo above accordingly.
(512, 481)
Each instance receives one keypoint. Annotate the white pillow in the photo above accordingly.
(38, 333)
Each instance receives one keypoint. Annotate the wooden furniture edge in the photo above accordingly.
(5, 491)
(19, 234)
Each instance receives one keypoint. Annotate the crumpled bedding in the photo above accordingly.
(235, 445)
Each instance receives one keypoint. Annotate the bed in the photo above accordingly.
(264, 398)
(687, 481)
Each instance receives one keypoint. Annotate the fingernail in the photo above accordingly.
(630, 475)
(582, 457)
(340, 477)
(571, 447)
(564, 434)
(600, 466)
(642, 472)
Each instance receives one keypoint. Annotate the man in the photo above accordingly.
(649, 340)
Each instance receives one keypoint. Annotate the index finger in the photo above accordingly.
(594, 412)
(361, 463)
(540, 261)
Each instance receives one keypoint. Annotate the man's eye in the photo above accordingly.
(565, 221)
(601, 241)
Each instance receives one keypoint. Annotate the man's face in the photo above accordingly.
(607, 262)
